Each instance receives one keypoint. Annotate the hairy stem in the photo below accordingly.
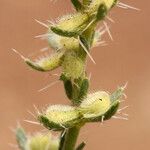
(71, 138)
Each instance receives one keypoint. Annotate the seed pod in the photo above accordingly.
(74, 25)
(95, 105)
(71, 25)
(94, 110)
(58, 117)
(47, 63)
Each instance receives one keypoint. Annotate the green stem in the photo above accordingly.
(71, 138)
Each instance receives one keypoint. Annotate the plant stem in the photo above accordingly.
(71, 138)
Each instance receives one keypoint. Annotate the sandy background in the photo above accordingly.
(127, 58)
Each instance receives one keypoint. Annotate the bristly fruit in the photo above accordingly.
(59, 117)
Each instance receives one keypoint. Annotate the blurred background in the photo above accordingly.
(127, 58)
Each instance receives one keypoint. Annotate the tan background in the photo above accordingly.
(125, 59)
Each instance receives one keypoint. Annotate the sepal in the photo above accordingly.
(80, 87)
(117, 95)
(68, 86)
(95, 105)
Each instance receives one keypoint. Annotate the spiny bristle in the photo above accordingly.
(126, 6)
(32, 122)
(14, 50)
(107, 29)
(44, 49)
(51, 22)
(36, 109)
(110, 19)
(124, 114)
(85, 49)
(41, 23)
(119, 117)
(88, 25)
(123, 108)
(43, 36)
(48, 86)
(32, 114)
(125, 86)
